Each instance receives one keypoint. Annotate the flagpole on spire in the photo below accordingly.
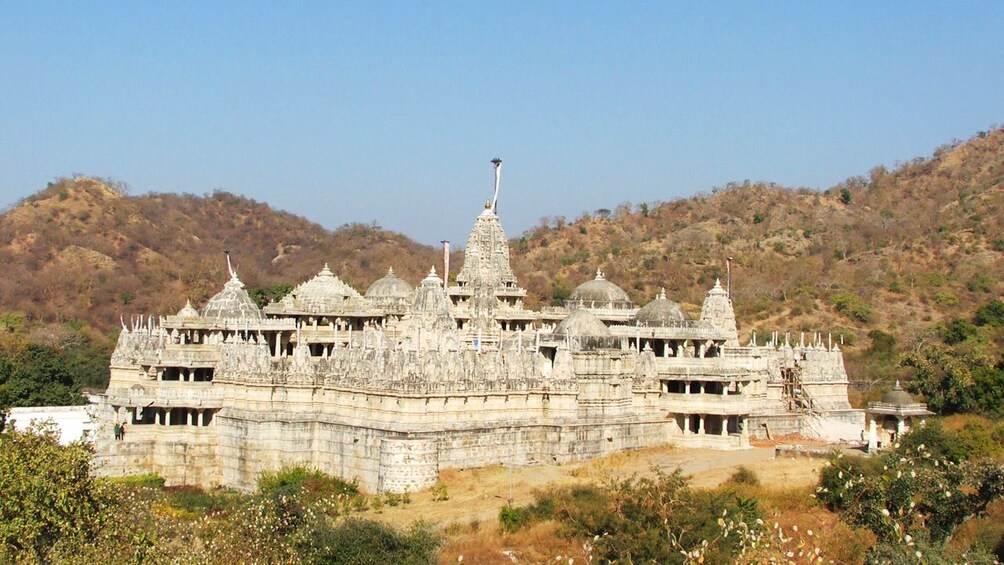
(446, 263)
(498, 175)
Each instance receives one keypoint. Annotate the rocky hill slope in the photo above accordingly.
(80, 249)
(895, 250)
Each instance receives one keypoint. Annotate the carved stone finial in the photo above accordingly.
(662, 293)
(599, 274)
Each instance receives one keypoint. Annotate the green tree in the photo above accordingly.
(944, 375)
(49, 497)
(956, 331)
(990, 314)
(36, 376)
(845, 196)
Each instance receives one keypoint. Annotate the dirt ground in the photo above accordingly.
(477, 494)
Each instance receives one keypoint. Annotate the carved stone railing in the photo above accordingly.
(199, 394)
(179, 358)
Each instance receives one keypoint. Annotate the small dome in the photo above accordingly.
(390, 286)
(188, 311)
(323, 293)
(599, 293)
(232, 302)
(661, 312)
(897, 396)
(582, 322)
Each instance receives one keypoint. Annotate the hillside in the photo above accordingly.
(82, 250)
(895, 251)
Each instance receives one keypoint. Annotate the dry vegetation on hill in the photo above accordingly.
(895, 251)
(80, 249)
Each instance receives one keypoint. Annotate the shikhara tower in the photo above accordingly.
(391, 385)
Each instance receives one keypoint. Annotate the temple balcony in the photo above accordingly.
(201, 395)
(703, 368)
(728, 404)
(195, 355)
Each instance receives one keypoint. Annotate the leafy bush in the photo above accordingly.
(745, 476)
(642, 520)
(980, 283)
(897, 287)
(909, 493)
(49, 496)
(512, 519)
(147, 480)
(293, 480)
(192, 498)
(990, 314)
(956, 331)
(946, 298)
(851, 305)
(363, 542)
(938, 442)
(440, 492)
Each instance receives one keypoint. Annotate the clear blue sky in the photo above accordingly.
(362, 111)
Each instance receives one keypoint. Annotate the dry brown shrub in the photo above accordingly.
(539, 543)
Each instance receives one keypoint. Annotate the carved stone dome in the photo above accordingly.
(188, 311)
(390, 286)
(321, 294)
(661, 312)
(897, 396)
(599, 293)
(582, 322)
(232, 302)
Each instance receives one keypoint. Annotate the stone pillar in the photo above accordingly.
(725, 426)
(686, 424)
(686, 387)
(700, 424)
(167, 417)
(872, 436)
(700, 351)
(900, 427)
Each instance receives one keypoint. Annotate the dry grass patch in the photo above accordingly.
(539, 543)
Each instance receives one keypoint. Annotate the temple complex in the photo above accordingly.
(390, 386)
